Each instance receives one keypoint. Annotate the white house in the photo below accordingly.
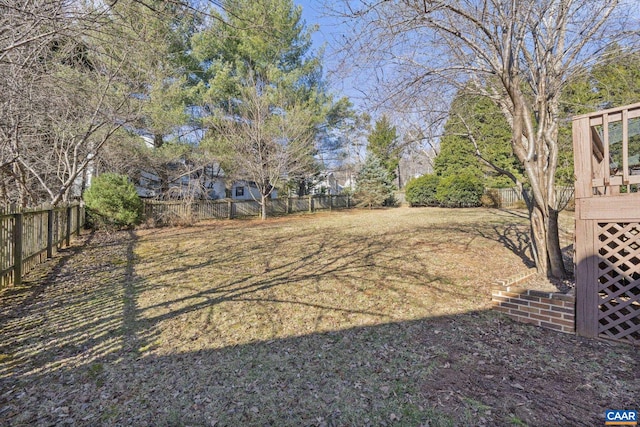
(208, 183)
(327, 184)
(201, 183)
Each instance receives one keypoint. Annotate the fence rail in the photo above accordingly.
(165, 212)
(29, 237)
(510, 197)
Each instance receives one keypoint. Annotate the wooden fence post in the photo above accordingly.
(17, 249)
(288, 205)
(78, 220)
(310, 203)
(68, 231)
(330, 202)
(348, 201)
(50, 232)
(230, 209)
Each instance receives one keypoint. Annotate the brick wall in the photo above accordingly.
(546, 309)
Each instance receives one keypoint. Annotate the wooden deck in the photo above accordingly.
(607, 239)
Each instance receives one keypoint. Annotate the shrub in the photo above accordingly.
(112, 201)
(460, 190)
(491, 199)
(391, 201)
(571, 205)
(520, 204)
(422, 191)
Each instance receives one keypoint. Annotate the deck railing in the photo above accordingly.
(607, 239)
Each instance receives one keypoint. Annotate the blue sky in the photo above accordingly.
(329, 30)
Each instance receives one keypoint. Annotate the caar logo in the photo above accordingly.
(617, 417)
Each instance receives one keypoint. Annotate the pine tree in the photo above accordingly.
(384, 144)
(262, 92)
(373, 184)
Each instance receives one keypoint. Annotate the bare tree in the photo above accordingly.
(76, 74)
(265, 139)
(62, 99)
(519, 52)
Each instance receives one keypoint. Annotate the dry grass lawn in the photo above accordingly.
(349, 318)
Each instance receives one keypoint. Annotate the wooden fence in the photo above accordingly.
(167, 212)
(29, 237)
(510, 197)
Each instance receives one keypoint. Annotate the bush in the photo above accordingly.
(112, 201)
(520, 204)
(461, 190)
(491, 199)
(571, 205)
(422, 191)
(391, 201)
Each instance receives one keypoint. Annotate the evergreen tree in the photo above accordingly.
(613, 82)
(112, 201)
(158, 39)
(616, 77)
(477, 141)
(385, 145)
(264, 43)
(373, 184)
(262, 92)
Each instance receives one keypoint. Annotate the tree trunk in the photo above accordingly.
(263, 206)
(545, 240)
(556, 262)
(535, 145)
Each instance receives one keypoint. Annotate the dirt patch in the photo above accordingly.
(369, 318)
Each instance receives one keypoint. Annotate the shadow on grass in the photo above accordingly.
(78, 312)
(90, 351)
(471, 369)
(519, 241)
(16, 298)
(323, 259)
(99, 314)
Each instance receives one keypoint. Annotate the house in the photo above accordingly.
(248, 190)
(207, 182)
(327, 184)
(185, 181)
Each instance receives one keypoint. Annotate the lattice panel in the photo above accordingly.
(619, 280)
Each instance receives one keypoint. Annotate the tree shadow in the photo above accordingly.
(476, 368)
(514, 237)
(19, 297)
(92, 348)
(104, 318)
(90, 309)
(328, 258)
(83, 309)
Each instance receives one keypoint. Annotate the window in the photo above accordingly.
(239, 191)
